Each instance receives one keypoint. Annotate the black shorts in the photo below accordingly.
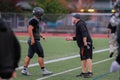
(86, 52)
(118, 58)
(36, 48)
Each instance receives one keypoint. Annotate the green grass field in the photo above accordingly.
(56, 48)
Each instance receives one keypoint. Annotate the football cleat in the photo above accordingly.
(81, 74)
(26, 72)
(111, 54)
(88, 75)
(45, 72)
(85, 75)
(114, 67)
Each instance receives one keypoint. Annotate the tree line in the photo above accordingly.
(50, 6)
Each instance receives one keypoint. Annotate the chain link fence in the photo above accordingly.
(58, 23)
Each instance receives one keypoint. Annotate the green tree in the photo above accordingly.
(52, 6)
(8, 5)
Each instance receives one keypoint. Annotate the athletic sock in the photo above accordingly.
(25, 68)
(42, 68)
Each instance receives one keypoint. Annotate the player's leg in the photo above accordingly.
(44, 70)
(25, 67)
(118, 56)
(116, 64)
(111, 44)
(39, 51)
(27, 59)
(41, 62)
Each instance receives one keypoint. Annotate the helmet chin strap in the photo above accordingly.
(39, 17)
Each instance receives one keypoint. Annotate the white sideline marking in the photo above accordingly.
(62, 59)
(23, 41)
(73, 69)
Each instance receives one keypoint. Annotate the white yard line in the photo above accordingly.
(23, 41)
(62, 59)
(73, 69)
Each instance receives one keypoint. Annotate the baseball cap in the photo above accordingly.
(77, 16)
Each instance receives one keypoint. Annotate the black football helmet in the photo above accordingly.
(38, 12)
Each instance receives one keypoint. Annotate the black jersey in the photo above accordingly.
(112, 28)
(81, 31)
(35, 23)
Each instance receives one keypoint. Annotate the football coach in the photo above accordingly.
(84, 42)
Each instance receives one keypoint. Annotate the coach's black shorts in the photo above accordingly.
(86, 52)
(36, 48)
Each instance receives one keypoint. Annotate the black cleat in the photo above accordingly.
(81, 74)
(111, 54)
(88, 75)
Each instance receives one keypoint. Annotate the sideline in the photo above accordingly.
(60, 35)
(62, 59)
(73, 69)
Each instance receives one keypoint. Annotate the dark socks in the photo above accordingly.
(25, 68)
(42, 67)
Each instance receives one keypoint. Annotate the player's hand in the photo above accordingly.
(69, 38)
(108, 36)
(44, 38)
(32, 41)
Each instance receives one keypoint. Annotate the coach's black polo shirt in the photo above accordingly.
(9, 51)
(81, 31)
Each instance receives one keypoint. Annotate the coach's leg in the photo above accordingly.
(89, 65)
(84, 65)
(89, 62)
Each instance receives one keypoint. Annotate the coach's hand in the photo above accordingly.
(69, 38)
(85, 44)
